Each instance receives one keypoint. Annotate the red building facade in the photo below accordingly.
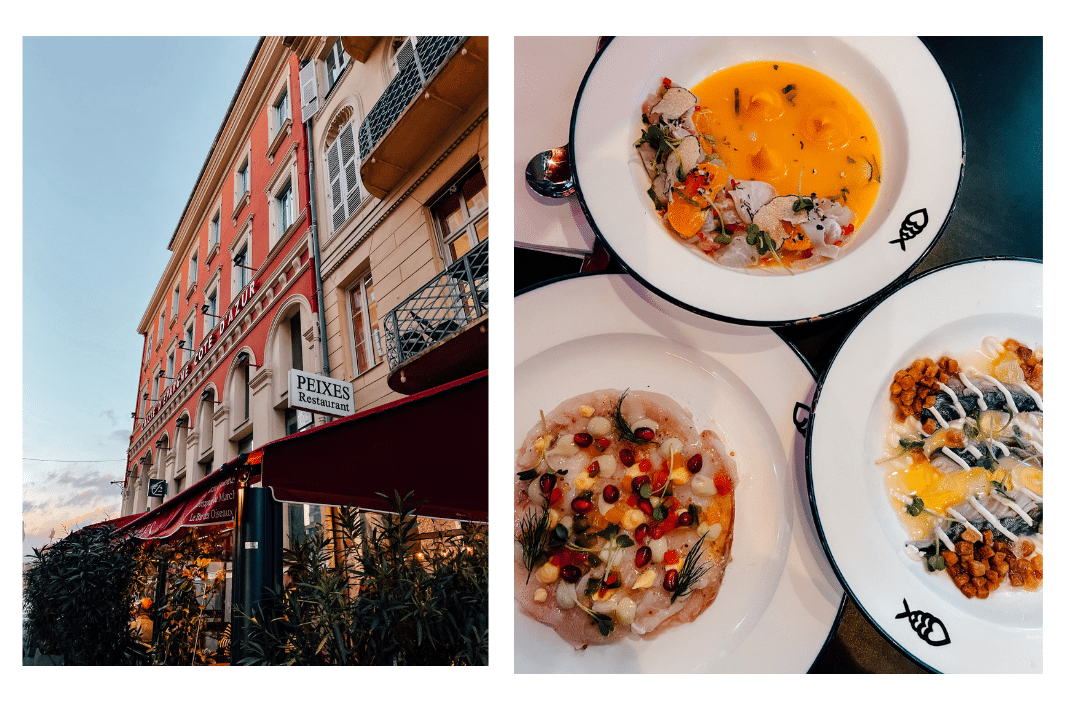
(235, 308)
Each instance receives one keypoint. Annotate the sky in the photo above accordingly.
(114, 133)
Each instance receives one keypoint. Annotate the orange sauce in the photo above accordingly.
(782, 123)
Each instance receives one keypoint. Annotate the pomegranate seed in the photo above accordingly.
(686, 518)
(611, 493)
(645, 465)
(547, 483)
(644, 433)
(581, 506)
(656, 533)
(593, 469)
(693, 464)
(638, 483)
(626, 457)
(643, 556)
(640, 533)
(570, 573)
(583, 439)
(603, 443)
(671, 557)
(671, 580)
(646, 506)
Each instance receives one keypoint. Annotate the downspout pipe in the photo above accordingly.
(316, 253)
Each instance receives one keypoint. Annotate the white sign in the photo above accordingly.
(315, 393)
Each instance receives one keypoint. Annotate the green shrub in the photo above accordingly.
(388, 605)
(78, 598)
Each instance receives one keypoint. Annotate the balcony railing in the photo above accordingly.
(439, 309)
(415, 70)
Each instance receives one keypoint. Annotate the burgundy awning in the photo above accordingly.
(433, 443)
(209, 501)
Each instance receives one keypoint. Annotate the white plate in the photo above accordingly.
(895, 78)
(947, 311)
(780, 599)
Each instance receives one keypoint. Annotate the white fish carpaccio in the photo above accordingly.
(538, 593)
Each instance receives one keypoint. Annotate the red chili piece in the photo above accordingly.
(602, 443)
(593, 469)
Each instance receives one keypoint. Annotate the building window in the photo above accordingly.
(193, 268)
(241, 261)
(215, 229)
(367, 343)
(161, 327)
(169, 366)
(296, 342)
(336, 62)
(210, 311)
(461, 214)
(280, 111)
(347, 192)
(243, 180)
(189, 341)
(284, 203)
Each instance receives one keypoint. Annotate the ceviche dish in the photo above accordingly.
(764, 166)
(964, 465)
(623, 517)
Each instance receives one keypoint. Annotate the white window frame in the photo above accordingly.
(375, 349)
(189, 338)
(242, 180)
(213, 297)
(240, 277)
(193, 268)
(176, 301)
(287, 173)
(161, 327)
(334, 64)
(214, 228)
(468, 225)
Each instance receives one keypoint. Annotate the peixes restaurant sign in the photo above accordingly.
(314, 393)
(208, 342)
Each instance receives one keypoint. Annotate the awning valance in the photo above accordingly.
(433, 443)
(209, 501)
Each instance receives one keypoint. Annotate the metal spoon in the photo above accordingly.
(549, 174)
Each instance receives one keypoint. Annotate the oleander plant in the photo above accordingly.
(393, 597)
(79, 598)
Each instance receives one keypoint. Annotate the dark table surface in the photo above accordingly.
(998, 86)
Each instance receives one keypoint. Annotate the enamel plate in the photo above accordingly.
(946, 311)
(779, 599)
(895, 79)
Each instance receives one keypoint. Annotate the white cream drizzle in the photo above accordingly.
(990, 517)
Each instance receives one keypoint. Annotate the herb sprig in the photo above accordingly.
(603, 622)
(533, 538)
(623, 427)
(691, 572)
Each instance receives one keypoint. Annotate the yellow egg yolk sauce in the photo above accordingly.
(781, 123)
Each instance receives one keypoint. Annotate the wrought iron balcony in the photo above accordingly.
(438, 79)
(440, 315)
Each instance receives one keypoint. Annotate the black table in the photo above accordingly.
(998, 85)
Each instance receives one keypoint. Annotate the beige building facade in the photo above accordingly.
(399, 135)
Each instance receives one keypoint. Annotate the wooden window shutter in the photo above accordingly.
(309, 91)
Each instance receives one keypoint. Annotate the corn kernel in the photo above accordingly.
(548, 573)
(540, 596)
(586, 410)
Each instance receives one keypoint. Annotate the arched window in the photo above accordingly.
(289, 348)
(238, 385)
(180, 456)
